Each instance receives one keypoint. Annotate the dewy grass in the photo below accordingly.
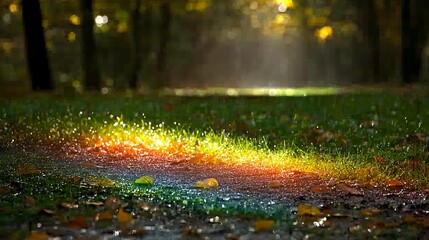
(364, 137)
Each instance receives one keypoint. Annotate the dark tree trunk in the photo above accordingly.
(37, 56)
(136, 54)
(90, 67)
(414, 37)
(369, 24)
(161, 66)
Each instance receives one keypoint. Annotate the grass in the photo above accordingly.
(371, 138)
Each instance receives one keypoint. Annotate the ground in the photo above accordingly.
(284, 168)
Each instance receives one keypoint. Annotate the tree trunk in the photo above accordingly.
(414, 37)
(369, 25)
(90, 67)
(37, 56)
(136, 54)
(161, 66)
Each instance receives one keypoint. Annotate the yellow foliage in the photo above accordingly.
(197, 5)
(209, 183)
(264, 225)
(308, 210)
(71, 36)
(74, 19)
(13, 8)
(324, 33)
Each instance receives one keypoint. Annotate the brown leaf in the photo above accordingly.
(26, 169)
(370, 211)
(112, 202)
(319, 189)
(30, 201)
(90, 165)
(352, 191)
(275, 184)
(106, 215)
(36, 235)
(78, 222)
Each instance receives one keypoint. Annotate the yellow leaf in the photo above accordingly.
(124, 216)
(208, 183)
(199, 184)
(308, 210)
(211, 183)
(102, 182)
(144, 180)
(264, 225)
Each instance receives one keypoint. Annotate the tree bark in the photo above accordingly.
(161, 66)
(369, 25)
(136, 54)
(37, 55)
(414, 36)
(90, 67)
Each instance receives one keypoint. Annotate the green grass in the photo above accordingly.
(365, 137)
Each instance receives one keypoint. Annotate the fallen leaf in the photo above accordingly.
(394, 183)
(26, 169)
(319, 189)
(209, 183)
(30, 201)
(102, 182)
(69, 205)
(352, 191)
(89, 165)
(263, 225)
(409, 218)
(112, 202)
(36, 235)
(106, 215)
(370, 211)
(307, 210)
(78, 222)
(124, 216)
(275, 184)
(144, 181)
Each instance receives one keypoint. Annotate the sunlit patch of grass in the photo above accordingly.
(335, 136)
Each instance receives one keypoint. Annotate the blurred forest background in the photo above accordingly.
(106, 45)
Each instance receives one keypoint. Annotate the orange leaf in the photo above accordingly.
(34, 235)
(78, 222)
(106, 215)
(264, 225)
(307, 210)
(124, 216)
(394, 183)
(319, 188)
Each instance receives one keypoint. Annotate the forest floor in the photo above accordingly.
(342, 166)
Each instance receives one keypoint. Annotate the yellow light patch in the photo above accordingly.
(324, 32)
(13, 8)
(71, 36)
(74, 19)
